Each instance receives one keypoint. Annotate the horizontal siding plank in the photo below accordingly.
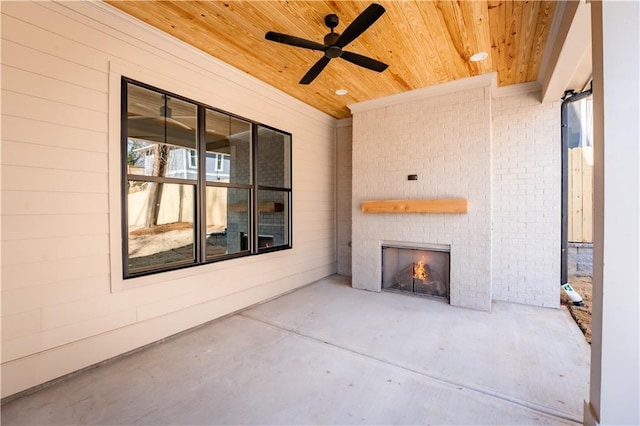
(87, 328)
(25, 227)
(18, 178)
(231, 94)
(234, 92)
(49, 339)
(188, 56)
(235, 97)
(197, 289)
(27, 34)
(38, 202)
(48, 157)
(46, 249)
(25, 106)
(20, 325)
(39, 86)
(28, 59)
(312, 237)
(37, 297)
(115, 44)
(53, 271)
(19, 129)
(314, 207)
(310, 196)
(19, 348)
(77, 311)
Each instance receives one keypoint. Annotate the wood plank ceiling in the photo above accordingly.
(424, 42)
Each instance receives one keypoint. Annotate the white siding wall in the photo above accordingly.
(527, 190)
(64, 305)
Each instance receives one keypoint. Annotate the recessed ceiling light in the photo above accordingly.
(480, 56)
(341, 92)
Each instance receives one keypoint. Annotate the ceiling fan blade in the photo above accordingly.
(315, 70)
(360, 24)
(364, 61)
(294, 41)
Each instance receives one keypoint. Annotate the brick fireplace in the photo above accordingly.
(497, 148)
(444, 139)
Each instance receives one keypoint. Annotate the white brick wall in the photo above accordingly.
(446, 140)
(526, 203)
(503, 154)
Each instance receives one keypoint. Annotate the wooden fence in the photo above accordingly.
(580, 195)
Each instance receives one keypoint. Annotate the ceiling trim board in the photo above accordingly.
(479, 81)
(569, 48)
(516, 89)
(554, 32)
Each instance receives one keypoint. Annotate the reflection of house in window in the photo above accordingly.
(219, 162)
(182, 163)
(218, 166)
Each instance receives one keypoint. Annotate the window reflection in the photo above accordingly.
(228, 148)
(160, 225)
(161, 138)
(274, 158)
(227, 220)
(273, 218)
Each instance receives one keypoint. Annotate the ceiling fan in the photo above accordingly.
(334, 42)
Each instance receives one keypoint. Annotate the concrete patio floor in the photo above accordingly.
(329, 354)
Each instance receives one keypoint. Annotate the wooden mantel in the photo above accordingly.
(433, 205)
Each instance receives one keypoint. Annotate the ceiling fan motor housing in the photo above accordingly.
(331, 39)
(331, 21)
(333, 52)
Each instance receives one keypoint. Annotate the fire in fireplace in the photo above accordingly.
(423, 271)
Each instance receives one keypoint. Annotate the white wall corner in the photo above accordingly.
(344, 122)
(589, 417)
(484, 80)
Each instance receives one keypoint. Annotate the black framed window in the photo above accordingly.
(199, 184)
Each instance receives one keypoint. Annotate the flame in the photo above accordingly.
(420, 270)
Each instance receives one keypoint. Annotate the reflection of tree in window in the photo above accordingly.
(160, 156)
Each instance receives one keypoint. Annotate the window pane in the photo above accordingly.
(274, 158)
(228, 148)
(161, 135)
(160, 225)
(227, 221)
(273, 218)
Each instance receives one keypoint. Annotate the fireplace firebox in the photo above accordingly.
(419, 270)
